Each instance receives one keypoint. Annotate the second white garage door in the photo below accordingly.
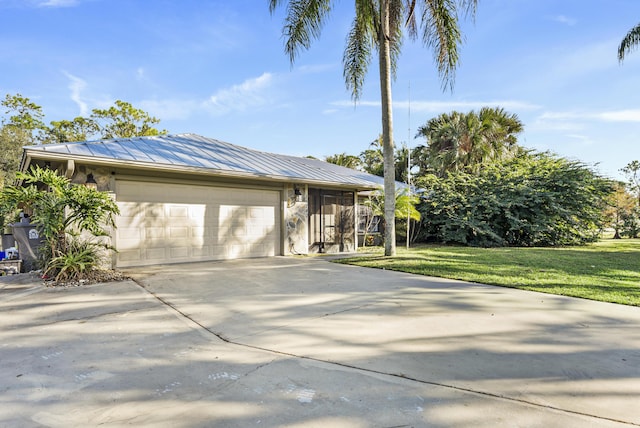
(169, 223)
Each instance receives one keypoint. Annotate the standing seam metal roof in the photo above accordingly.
(195, 151)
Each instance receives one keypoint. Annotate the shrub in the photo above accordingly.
(62, 212)
(535, 199)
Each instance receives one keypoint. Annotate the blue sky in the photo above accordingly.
(218, 68)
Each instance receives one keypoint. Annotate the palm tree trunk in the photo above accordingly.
(387, 132)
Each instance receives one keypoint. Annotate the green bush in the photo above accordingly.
(80, 258)
(63, 212)
(535, 199)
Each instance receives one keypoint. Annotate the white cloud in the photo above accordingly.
(250, 93)
(582, 139)
(57, 3)
(621, 116)
(445, 106)
(76, 86)
(170, 109)
(562, 19)
(631, 115)
(317, 68)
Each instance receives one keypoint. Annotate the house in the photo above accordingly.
(190, 198)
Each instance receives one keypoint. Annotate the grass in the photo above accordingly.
(607, 271)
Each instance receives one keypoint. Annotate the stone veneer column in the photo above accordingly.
(296, 221)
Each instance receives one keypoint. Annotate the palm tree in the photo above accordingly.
(378, 25)
(457, 141)
(343, 159)
(630, 41)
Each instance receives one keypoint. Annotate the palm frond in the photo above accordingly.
(303, 23)
(360, 41)
(441, 33)
(629, 43)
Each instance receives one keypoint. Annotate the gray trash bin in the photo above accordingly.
(28, 239)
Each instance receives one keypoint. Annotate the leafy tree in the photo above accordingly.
(372, 159)
(401, 162)
(125, 121)
(620, 205)
(632, 172)
(534, 199)
(23, 125)
(12, 139)
(631, 222)
(25, 115)
(343, 159)
(372, 162)
(378, 25)
(629, 42)
(420, 159)
(78, 129)
(458, 141)
(62, 212)
(631, 218)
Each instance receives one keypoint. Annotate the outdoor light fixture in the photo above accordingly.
(91, 182)
(297, 193)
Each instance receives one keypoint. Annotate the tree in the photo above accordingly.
(631, 218)
(405, 207)
(125, 121)
(629, 42)
(343, 159)
(21, 126)
(12, 139)
(372, 159)
(378, 25)
(25, 115)
(534, 199)
(78, 129)
(632, 172)
(465, 141)
(62, 212)
(619, 208)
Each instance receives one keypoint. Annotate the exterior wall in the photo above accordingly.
(102, 176)
(296, 220)
(295, 213)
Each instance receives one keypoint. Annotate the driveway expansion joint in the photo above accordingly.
(377, 372)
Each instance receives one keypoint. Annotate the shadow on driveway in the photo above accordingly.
(303, 342)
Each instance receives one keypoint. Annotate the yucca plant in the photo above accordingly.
(80, 259)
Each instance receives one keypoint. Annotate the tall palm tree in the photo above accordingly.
(457, 141)
(629, 42)
(378, 25)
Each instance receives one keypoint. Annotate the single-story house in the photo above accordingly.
(190, 198)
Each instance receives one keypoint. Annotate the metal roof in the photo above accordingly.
(190, 151)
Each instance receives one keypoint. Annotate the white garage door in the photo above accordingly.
(170, 223)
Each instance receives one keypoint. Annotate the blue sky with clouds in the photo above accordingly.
(218, 68)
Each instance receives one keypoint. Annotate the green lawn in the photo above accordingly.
(608, 271)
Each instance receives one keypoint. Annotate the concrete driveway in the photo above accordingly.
(304, 342)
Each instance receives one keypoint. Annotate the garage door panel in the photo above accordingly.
(164, 223)
(155, 253)
(179, 252)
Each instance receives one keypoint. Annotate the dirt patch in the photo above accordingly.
(98, 276)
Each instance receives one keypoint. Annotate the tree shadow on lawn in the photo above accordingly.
(576, 273)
